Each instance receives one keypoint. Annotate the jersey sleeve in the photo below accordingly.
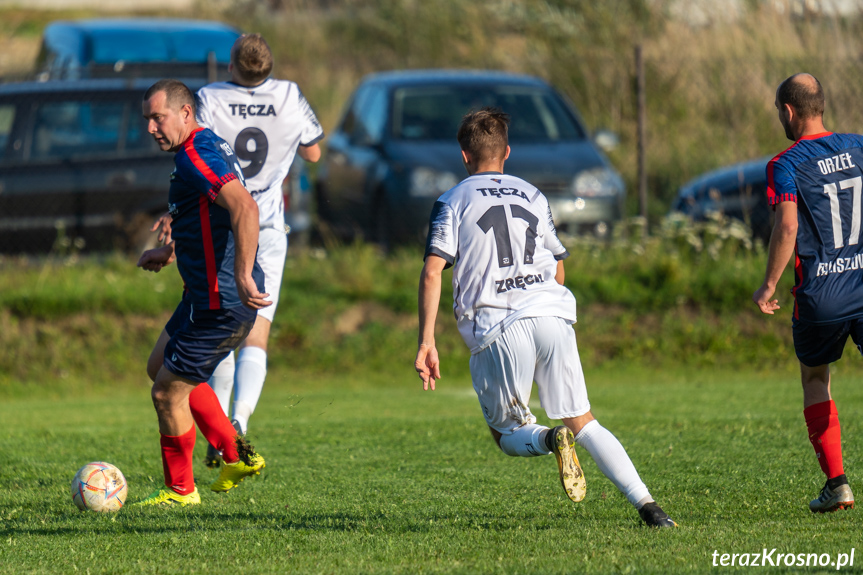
(207, 170)
(443, 234)
(780, 184)
(312, 132)
(203, 114)
(550, 239)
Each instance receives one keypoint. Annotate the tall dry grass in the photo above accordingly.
(709, 88)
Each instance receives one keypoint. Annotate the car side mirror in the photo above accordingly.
(606, 139)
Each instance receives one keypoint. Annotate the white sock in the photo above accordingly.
(526, 441)
(222, 381)
(248, 383)
(612, 460)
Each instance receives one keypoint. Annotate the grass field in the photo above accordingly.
(375, 476)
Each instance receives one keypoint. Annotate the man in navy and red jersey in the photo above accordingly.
(815, 188)
(215, 240)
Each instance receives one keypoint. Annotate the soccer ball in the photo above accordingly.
(99, 486)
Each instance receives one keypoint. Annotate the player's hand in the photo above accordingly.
(163, 224)
(427, 365)
(250, 296)
(157, 258)
(762, 296)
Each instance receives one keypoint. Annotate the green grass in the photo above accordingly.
(681, 295)
(368, 474)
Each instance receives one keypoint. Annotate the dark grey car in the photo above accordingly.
(395, 151)
(76, 161)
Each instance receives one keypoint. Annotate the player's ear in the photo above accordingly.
(465, 159)
(789, 111)
(506, 155)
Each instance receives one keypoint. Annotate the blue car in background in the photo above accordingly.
(737, 191)
(394, 152)
(143, 47)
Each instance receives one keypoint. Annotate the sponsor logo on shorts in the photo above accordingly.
(518, 282)
(174, 357)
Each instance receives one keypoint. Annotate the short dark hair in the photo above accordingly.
(484, 134)
(806, 98)
(252, 58)
(177, 94)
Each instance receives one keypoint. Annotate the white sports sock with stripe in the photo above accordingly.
(222, 381)
(526, 441)
(248, 383)
(612, 460)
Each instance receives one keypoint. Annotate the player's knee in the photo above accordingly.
(160, 396)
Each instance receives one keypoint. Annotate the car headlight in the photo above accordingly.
(428, 182)
(597, 182)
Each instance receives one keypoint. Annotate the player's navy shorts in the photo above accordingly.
(201, 339)
(822, 344)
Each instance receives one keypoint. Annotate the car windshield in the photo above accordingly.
(434, 112)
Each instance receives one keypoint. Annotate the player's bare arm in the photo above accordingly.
(154, 260)
(163, 225)
(309, 153)
(560, 274)
(427, 363)
(244, 222)
(782, 241)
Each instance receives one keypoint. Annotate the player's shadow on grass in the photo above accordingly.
(192, 520)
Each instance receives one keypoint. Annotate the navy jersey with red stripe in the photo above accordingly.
(823, 174)
(201, 229)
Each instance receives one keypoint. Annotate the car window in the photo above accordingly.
(64, 129)
(372, 116)
(7, 118)
(434, 112)
(366, 118)
(350, 120)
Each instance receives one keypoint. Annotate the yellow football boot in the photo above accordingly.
(233, 473)
(167, 496)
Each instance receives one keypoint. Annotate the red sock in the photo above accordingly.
(822, 419)
(213, 422)
(177, 461)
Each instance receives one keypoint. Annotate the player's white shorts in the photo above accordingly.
(540, 349)
(272, 251)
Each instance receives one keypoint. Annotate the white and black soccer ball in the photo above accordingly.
(99, 486)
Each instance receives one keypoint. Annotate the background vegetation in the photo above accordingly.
(711, 68)
(679, 294)
(679, 298)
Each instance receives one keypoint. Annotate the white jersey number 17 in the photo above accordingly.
(495, 218)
